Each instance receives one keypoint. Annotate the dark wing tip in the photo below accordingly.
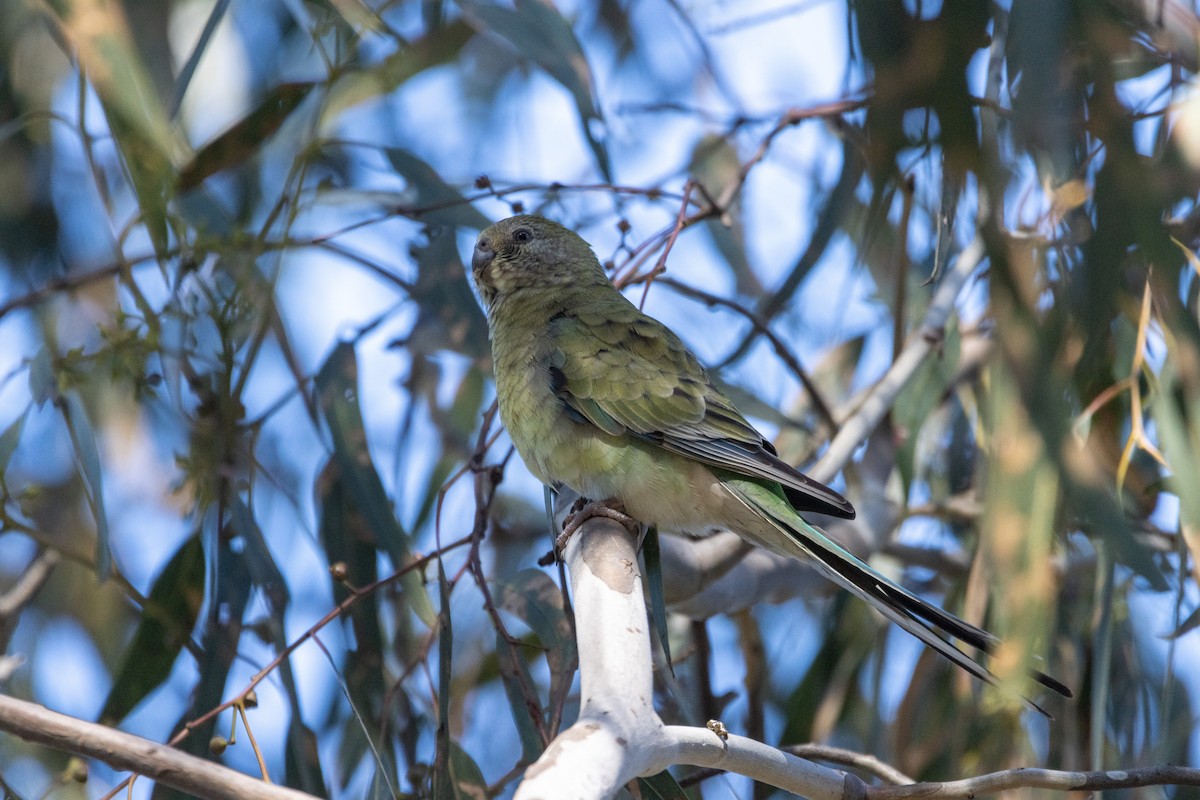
(818, 499)
(1052, 684)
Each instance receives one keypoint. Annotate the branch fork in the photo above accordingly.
(619, 735)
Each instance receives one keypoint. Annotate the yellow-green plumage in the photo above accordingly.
(599, 397)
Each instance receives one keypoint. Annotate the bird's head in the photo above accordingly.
(526, 252)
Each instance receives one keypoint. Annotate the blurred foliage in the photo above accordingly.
(247, 373)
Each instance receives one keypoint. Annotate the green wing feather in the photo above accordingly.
(627, 373)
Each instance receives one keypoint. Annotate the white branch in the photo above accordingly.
(757, 577)
(920, 343)
(619, 735)
(723, 574)
(124, 751)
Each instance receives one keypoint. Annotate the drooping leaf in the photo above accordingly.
(337, 386)
(916, 402)
(359, 16)
(302, 763)
(43, 385)
(1187, 626)
(359, 85)
(539, 33)
(167, 620)
(536, 600)
(219, 646)
(87, 460)
(1177, 425)
(515, 677)
(428, 197)
(455, 425)
(832, 217)
(246, 137)
(449, 316)
(654, 586)
(846, 645)
(149, 146)
(347, 539)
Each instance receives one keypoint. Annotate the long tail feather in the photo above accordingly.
(918, 617)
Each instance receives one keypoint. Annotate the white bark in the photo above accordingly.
(619, 735)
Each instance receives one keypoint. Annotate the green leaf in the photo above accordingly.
(10, 439)
(167, 620)
(831, 218)
(347, 540)
(539, 33)
(1177, 421)
(219, 647)
(149, 146)
(356, 86)
(302, 763)
(263, 570)
(431, 199)
(848, 638)
(514, 677)
(246, 137)
(359, 16)
(43, 385)
(661, 787)
(87, 459)
(654, 584)
(920, 396)
(466, 779)
(449, 314)
(1187, 626)
(337, 387)
(537, 601)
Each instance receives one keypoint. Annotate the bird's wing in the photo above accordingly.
(627, 373)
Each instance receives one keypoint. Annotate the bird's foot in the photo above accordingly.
(582, 510)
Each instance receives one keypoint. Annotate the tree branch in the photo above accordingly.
(1042, 779)
(124, 751)
(920, 343)
(619, 735)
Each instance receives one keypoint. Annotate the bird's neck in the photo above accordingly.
(535, 306)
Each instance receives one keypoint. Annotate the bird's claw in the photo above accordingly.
(582, 510)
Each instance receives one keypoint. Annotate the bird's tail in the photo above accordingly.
(918, 617)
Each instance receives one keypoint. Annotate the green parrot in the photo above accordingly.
(599, 397)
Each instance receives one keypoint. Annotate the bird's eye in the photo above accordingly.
(522, 235)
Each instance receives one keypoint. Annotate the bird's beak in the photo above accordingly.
(482, 256)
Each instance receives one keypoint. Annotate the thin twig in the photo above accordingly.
(781, 350)
(1060, 780)
(920, 344)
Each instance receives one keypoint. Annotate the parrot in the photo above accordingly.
(602, 398)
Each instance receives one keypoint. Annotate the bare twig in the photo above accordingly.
(23, 591)
(781, 350)
(849, 758)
